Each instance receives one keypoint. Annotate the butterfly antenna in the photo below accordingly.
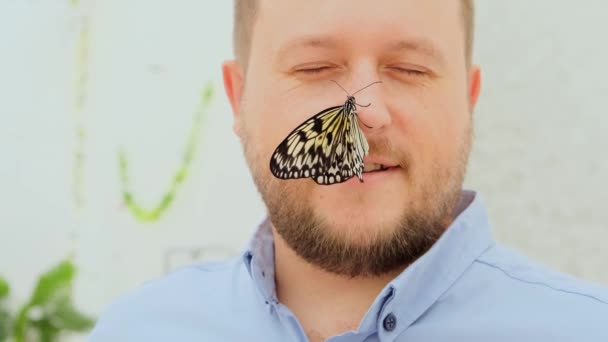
(341, 87)
(367, 86)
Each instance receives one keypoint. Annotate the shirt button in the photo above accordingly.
(390, 322)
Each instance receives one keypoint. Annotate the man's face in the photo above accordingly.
(420, 117)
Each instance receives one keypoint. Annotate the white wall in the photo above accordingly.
(539, 158)
(540, 155)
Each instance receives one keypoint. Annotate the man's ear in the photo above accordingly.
(233, 85)
(474, 86)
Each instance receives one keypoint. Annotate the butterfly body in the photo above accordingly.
(329, 147)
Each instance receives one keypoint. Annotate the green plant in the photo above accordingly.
(5, 318)
(49, 312)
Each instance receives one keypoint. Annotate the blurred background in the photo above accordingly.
(119, 163)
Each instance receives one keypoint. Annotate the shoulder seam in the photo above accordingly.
(541, 283)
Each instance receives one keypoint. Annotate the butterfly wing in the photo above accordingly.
(356, 149)
(347, 159)
(329, 148)
(361, 146)
(306, 152)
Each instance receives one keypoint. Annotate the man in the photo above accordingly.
(404, 256)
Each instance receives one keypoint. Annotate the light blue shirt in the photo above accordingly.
(465, 288)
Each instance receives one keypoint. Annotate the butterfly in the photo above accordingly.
(329, 147)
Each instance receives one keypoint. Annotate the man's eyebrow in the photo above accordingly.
(308, 42)
(422, 46)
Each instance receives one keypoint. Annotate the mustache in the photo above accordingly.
(383, 147)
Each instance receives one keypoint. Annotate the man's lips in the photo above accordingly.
(380, 160)
(375, 164)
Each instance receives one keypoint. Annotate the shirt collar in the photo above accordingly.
(421, 284)
(418, 287)
(259, 260)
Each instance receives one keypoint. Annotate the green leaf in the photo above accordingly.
(4, 288)
(69, 319)
(44, 331)
(5, 324)
(54, 283)
(50, 311)
(5, 318)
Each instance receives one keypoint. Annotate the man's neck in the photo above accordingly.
(326, 304)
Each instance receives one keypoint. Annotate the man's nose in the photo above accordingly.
(371, 108)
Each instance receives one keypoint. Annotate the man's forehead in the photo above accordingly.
(287, 9)
(312, 22)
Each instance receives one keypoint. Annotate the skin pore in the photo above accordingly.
(337, 246)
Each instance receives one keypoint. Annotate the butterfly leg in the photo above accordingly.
(362, 121)
(360, 176)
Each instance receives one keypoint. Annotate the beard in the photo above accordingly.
(353, 249)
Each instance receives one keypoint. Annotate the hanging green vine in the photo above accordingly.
(150, 215)
(80, 88)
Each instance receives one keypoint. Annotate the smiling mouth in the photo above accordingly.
(373, 167)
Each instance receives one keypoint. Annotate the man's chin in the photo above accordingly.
(359, 228)
(382, 196)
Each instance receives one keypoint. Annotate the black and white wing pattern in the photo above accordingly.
(329, 148)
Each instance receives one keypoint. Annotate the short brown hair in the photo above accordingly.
(245, 12)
